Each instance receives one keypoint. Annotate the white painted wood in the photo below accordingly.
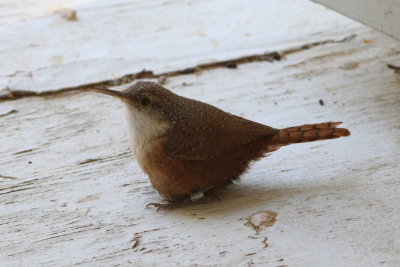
(383, 15)
(112, 38)
(72, 194)
(15, 12)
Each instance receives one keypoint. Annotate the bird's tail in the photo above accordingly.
(309, 133)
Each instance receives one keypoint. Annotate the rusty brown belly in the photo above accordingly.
(176, 179)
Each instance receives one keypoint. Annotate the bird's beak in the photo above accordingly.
(119, 94)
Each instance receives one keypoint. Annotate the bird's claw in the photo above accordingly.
(159, 206)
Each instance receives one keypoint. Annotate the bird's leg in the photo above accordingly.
(211, 194)
(206, 195)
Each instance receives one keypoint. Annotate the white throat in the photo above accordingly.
(142, 130)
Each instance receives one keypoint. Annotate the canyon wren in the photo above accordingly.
(189, 148)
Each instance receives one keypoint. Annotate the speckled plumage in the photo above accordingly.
(187, 146)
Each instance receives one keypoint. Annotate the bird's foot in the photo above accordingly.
(166, 206)
(200, 197)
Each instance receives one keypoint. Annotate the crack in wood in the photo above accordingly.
(268, 56)
(8, 177)
(394, 67)
(85, 228)
(8, 112)
(23, 151)
(89, 161)
(17, 190)
(136, 240)
(265, 242)
(30, 182)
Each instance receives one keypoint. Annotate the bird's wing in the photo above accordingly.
(204, 132)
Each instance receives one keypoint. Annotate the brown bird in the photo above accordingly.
(189, 148)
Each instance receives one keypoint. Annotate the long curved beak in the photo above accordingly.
(106, 91)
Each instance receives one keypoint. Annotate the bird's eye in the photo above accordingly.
(145, 101)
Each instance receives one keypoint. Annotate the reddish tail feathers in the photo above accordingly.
(309, 133)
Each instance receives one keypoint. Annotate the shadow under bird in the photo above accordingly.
(189, 148)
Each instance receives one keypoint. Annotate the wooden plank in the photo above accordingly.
(382, 15)
(112, 38)
(71, 194)
(15, 12)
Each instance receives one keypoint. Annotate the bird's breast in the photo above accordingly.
(143, 132)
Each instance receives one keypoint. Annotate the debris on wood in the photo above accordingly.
(394, 67)
(231, 65)
(69, 15)
(162, 79)
(187, 84)
(251, 254)
(276, 55)
(367, 41)
(265, 242)
(187, 71)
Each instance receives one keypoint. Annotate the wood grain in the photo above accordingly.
(112, 38)
(72, 194)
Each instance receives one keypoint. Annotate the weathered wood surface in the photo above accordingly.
(383, 15)
(112, 38)
(71, 193)
(13, 13)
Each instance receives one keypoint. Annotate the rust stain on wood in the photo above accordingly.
(261, 220)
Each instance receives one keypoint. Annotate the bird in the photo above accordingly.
(189, 148)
